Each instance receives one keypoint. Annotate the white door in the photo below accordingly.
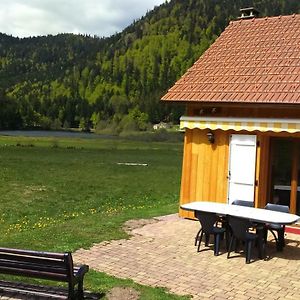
(242, 159)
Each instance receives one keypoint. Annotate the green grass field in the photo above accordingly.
(63, 194)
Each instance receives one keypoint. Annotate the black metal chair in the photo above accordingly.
(280, 243)
(209, 226)
(243, 203)
(224, 225)
(240, 232)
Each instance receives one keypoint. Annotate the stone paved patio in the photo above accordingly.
(163, 254)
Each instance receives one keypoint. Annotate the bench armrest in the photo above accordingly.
(79, 271)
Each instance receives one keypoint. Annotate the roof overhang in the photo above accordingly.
(238, 124)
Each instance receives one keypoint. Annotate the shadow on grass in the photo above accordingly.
(16, 290)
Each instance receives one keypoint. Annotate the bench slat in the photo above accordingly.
(30, 259)
(33, 253)
(33, 266)
(34, 273)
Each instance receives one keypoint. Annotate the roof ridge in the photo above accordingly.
(265, 18)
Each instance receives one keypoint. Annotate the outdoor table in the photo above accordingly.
(257, 215)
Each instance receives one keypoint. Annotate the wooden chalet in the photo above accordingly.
(242, 122)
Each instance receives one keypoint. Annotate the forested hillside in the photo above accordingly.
(74, 80)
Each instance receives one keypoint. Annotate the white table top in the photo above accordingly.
(260, 215)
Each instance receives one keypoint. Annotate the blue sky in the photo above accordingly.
(25, 18)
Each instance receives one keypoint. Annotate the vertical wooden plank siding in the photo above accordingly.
(224, 169)
(294, 181)
(222, 139)
(185, 177)
(201, 167)
(213, 184)
(257, 169)
(205, 168)
(263, 178)
(205, 181)
(196, 140)
(219, 167)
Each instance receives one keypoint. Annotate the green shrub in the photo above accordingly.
(45, 122)
(56, 124)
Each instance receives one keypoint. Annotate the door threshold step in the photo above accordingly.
(292, 229)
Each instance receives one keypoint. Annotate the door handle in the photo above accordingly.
(229, 175)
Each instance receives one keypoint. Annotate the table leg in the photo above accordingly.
(260, 231)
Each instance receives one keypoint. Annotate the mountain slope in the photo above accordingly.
(74, 80)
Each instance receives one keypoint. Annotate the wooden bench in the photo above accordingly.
(42, 265)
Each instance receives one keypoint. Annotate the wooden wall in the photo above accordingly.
(262, 170)
(205, 168)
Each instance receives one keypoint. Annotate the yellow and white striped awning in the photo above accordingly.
(238, 124)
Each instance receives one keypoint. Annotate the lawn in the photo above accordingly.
(63, 194)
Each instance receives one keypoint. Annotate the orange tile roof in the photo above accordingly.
(253, 61)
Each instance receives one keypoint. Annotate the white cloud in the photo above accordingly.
(96, 17)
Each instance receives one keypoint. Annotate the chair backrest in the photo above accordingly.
(277, 207)
(207, 220)
(243, 203)
(239, 227)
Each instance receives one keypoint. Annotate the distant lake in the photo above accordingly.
(46, 133)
